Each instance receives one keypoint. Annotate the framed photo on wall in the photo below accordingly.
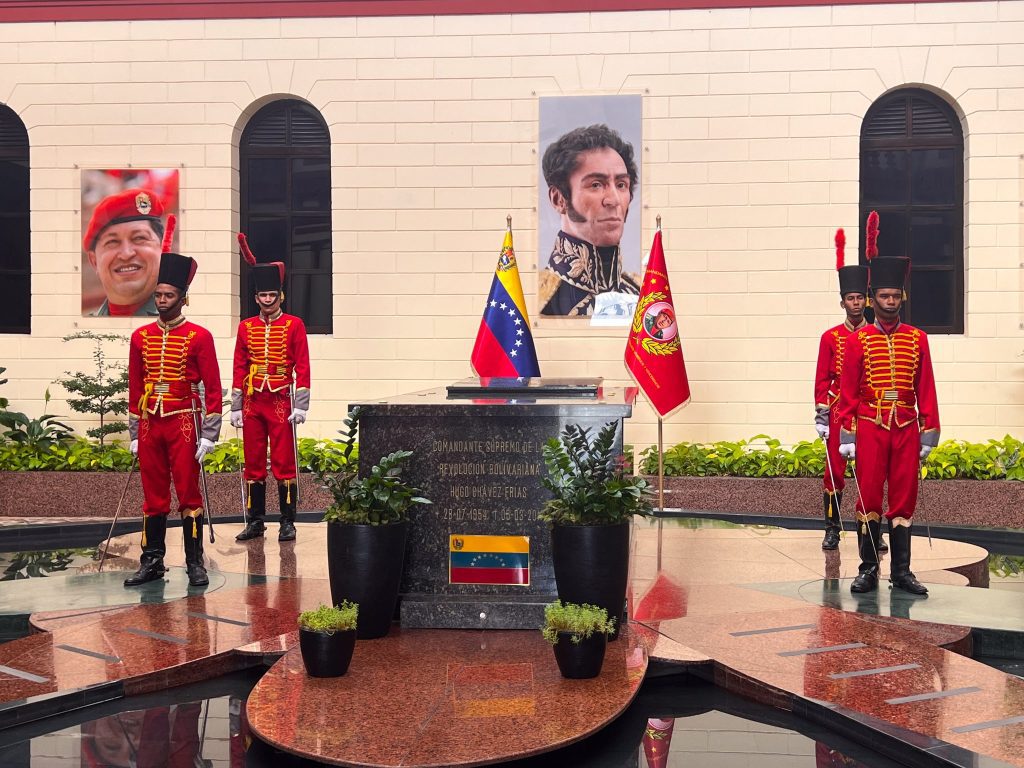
(124, 212)
(589, 203)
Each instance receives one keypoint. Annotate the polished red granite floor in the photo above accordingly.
(698, 612)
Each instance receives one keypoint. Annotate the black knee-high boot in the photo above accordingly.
(287, 499)
(257, 510)
(901, 576)
(154, 547)
(833, 522)
(192, 533)
(867, 542)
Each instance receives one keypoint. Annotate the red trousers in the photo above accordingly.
(892, 455)
(167, 451)
(834, 480)
(265, 417)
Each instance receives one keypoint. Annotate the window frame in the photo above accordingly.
(288, 152)
(17, 151)
(907, 143)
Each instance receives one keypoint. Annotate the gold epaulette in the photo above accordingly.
(547, 287)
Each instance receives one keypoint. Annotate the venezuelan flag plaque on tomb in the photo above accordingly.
(476, 559)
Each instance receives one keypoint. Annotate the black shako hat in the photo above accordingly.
(177, 270)
(265, 277)
(889, 272)
(852, 278)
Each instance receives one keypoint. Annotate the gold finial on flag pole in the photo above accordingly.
(509, 220)
(658, 220)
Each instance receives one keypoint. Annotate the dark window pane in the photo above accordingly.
(931, 302)
(311, 184)
(933, 175)
(14, 244)
(268, 184)
(16, 308)
(311, 244)
(932, 237)
(883, 176)
(286, 205)
(310, 297)
(13, 185)
(892, 233)
(268, 238)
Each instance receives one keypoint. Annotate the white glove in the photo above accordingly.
(205, 446)
(134, 447)
(848, 450)
(298, 416)
(925, 450)
(822, 430)
(236, 419)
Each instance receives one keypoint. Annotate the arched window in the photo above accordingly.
(15, 246)
(285, 156)
(912, 173)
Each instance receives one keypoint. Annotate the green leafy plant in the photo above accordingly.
(26, 565)
(103, 392)
(380, 497)
(588, 481)
(580, 620)
(3, 400)
(993, 460)
(39, 434)
(328, 619)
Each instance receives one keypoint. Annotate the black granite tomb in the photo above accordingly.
(477, 456)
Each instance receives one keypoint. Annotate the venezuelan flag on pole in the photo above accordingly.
(504, 343)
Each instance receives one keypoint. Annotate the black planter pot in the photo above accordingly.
(364, 563)
(591, 566)
(582, 660)
(326, 655)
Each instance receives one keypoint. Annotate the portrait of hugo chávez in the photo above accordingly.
(591, 175)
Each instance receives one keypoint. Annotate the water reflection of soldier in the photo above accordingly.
(591, 177)
(163, 737)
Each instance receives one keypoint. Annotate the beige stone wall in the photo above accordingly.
(751, 131)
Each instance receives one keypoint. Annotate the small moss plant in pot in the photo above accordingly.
(579, 635)
(327, 637)
(591, 510)
(368, 522)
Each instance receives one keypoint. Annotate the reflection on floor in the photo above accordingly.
(761, 612)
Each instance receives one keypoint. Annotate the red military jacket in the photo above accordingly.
(830, 365)
(269, 356)
(888, 379)
(166, 363)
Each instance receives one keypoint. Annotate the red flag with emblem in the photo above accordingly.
(654, 354)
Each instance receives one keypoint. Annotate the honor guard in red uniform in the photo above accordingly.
(170, 433)
(853, 291)
(890, 423)
(271, 357)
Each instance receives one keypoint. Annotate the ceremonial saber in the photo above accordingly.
(120, 502)
(295, 448)
(920, 496)
(202, 477)
(874, 544)
(831, 474)
(241, 478)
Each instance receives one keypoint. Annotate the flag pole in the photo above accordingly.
(661, 466)
(508, 220)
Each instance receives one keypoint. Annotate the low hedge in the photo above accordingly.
(82, 455)
(763, 456)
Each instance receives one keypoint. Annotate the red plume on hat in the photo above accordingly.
(172, 222)
(871, 239)
(840, 248)
(243, 242)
